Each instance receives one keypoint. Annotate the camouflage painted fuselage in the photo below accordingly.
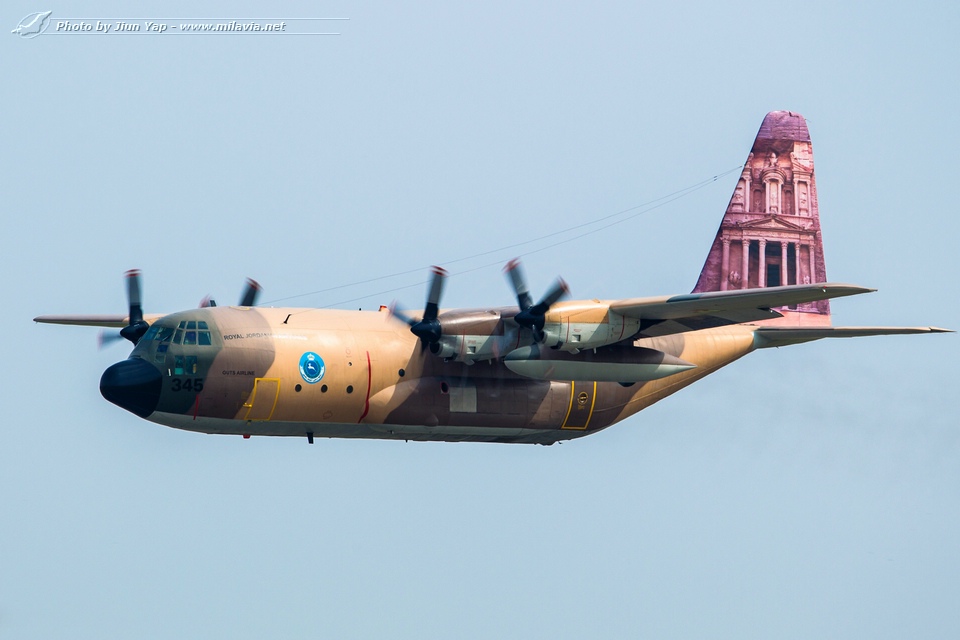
(377, 381)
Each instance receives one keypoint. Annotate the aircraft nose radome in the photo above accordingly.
(133, 385)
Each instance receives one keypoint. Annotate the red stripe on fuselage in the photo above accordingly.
(366, 405)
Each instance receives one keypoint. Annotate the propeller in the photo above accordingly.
(248, 299)
(250, 293)
(137, 327)
(428, 328)
(533, 316)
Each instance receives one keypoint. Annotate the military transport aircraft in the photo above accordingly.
(531, 373)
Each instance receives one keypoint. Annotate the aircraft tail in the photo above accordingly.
(770, 234)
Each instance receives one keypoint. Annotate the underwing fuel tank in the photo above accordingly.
(632, 364)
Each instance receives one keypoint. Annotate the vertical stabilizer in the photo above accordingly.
(770, 233)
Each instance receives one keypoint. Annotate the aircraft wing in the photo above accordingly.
(109, 320)
(765, 337)
(665, 315)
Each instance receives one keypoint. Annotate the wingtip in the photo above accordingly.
(845, 288)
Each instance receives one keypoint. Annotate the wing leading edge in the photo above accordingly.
(110, 321)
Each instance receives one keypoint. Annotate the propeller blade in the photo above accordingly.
(137, 327)
(207, 301)
(513, 270)
(433, 297)
(105, 339)
(133, 295)
(559, 290)
(250, 294)
(400, 315)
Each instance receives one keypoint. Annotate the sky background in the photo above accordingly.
(811, 491)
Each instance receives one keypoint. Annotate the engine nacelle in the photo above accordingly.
(572, 336)
(471, 348)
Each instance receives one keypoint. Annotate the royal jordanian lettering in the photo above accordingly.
(531, 373)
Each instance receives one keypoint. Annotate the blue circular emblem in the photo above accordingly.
(311, 367)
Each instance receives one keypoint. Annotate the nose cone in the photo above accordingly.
(134, 385)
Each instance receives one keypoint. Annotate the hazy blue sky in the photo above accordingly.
(812, 491)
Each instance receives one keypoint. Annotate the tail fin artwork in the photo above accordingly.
(770, 234)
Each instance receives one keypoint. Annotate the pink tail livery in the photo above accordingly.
(770, 234)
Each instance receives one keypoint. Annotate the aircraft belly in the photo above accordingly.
(445, 433)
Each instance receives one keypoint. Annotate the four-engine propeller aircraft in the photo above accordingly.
(532, 373)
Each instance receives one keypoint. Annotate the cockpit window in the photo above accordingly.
(188, 333)
(203, 334)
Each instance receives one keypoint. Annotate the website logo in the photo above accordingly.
(33, 25)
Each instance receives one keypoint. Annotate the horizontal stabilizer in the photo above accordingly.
(635, 364)
(765, 337)
(109, 320)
